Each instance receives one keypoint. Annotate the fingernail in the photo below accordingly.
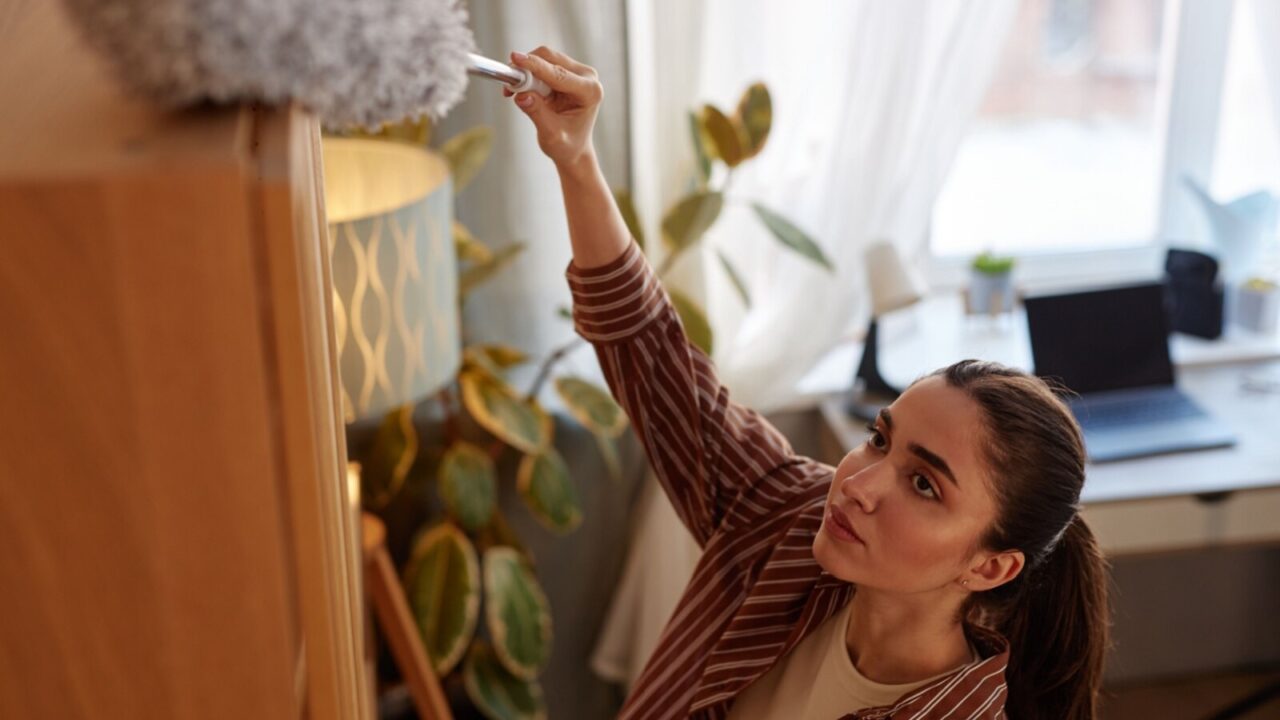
(524, 100)
(519, 56)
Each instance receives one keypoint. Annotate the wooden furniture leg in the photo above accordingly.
(392, 611)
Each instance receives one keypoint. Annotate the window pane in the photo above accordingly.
(1063, 153)
(1248, 154)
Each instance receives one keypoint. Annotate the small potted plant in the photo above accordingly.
(1258, 305)
(991, 284)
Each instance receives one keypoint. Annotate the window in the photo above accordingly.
(1096, 112)
(1247, 157)
(1063, 154)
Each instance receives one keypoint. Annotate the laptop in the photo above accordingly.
(1111, 347)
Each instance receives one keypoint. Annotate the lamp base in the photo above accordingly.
(870, 390)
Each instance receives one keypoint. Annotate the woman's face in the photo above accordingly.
(916, 495)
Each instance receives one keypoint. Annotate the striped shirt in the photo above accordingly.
(751, 503)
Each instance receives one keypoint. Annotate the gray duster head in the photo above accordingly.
(352, 62)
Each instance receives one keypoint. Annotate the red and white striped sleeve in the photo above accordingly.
(706, 450)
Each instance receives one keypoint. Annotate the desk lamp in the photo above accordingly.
(892, 286)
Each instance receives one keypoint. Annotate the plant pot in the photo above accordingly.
(990, 293)
(1257, 308)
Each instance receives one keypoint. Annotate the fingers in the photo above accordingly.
(532, 104)
(559, 58)
(559, 78)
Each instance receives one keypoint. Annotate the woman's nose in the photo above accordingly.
(867, 486)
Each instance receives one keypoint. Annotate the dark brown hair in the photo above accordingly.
(1055, 613)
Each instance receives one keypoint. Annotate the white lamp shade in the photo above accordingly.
(395, 286)
(892, 284)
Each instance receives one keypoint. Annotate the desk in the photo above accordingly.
(1182, 500)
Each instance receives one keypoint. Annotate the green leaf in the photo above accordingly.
(609, 451)
(754, 117)
(480, 272)
(991, 264)
(696, 327)
(520, 423)
(442, 585)
(564, 312)
(735, 278)
(592, 406)
(468, 485)
(792, 236)
(627, 207)
(725, 136)
(395, 446)
(493, 359)
(468, 247)
(466, 153)
(544, 485)
(700, 140)
(516, 613)
(496, 693)
(685, 223)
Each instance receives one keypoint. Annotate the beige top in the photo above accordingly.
(818, 681)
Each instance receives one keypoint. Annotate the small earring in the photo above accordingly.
(965, 583)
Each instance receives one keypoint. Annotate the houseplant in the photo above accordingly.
(721, 144)
(431, 471)
(990, 284)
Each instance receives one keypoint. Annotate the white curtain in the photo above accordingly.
(516, 196)
(871, 100)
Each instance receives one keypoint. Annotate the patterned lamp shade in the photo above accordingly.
(395, 286)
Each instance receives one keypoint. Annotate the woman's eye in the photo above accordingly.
(876, 440)
(923, 486)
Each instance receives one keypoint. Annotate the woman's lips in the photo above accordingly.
(840, 527)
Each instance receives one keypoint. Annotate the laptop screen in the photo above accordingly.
(1102, 339)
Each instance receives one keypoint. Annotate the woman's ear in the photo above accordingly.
(991, 570)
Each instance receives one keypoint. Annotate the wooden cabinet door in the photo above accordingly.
(177, 536)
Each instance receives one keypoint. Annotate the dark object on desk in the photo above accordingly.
(1194, 293)
(870, 390)
(893, 286)
(1112, 348)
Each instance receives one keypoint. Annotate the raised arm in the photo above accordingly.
(564, 121)
(716, 460)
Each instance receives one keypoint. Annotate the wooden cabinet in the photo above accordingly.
(177, 534)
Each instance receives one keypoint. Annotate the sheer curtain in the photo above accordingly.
(516, 196)
(871, 100)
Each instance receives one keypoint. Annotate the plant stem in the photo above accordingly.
(495, 450)
(667, 262)
(545, 371)
(451, 431)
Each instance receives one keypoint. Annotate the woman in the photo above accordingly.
(980, 591)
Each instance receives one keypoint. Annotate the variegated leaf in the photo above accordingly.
(442, 585)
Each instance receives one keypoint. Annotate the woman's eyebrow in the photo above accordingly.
(922, 452)
(932, 458)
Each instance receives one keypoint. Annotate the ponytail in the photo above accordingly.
(1055, 613)
(1057, 627)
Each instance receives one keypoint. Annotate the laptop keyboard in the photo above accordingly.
(1135, 411)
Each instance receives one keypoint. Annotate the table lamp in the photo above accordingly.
(892, 286)
(395, 284)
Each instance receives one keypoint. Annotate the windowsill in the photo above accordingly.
(1051, 271)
